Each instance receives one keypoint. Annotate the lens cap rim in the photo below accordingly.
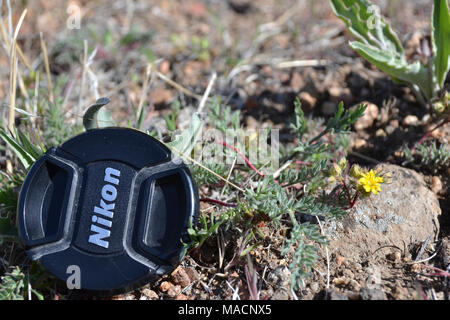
(74, 155)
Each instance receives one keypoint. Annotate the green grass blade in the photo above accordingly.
(440, 38)
(24, 156)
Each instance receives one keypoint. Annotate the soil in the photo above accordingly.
(263, 34)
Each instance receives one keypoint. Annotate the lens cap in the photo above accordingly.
(109, 203)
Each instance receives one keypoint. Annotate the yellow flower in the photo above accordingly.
(371, 182)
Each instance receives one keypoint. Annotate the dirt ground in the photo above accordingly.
(288, 50)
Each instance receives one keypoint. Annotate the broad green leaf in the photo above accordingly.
(24, 156)
(395, 67)
(97, 118)
(364, 22)
(185, 142)
(440, 39)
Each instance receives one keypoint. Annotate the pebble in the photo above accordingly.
(400, 293)
(340, 281)
(354, 285)
(340, 260)
(410, 120)
(280, 276)
(372, 294)
(181, 297)
(334, 295)
(165, 286)
(180, 277)
(192, 273)
(314, 286)
(359, 143)
(395, 256)
(380, 133)
(150, 294)
(338, 94)
(281, 294)
(437, 133)
(369, 117)
(436, 185)
(348, 273)
(174, 290)
(307, 100)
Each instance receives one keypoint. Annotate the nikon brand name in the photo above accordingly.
(103, 214)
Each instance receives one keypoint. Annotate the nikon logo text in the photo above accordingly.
(101, 219)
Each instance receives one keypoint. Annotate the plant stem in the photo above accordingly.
(445, 121)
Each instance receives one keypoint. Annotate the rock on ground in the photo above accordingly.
(405, 212)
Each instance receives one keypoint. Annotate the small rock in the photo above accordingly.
(393, 124)
(348, 273)
(436, 133)
(280, 276)
(281, 294)
(180, 277)
(192, 273)
(174, 291)
(165, 286)
(296, 82)
(395, 256)
(335, 94)
(400, 293)
(328, 108)
(354, 285)
(314, 286)
(338, 94)
(410, 120)
(150, 294)
(307, 100)
(369, 117)
(334, 295)
(372, 294)
(340, 281)
(416, 267)
(164, 67)
(380, 133)
(359, 143)
(181, 297)
(339, 260)
(436, 185)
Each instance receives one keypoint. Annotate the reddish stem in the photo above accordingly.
(440, 272)
(244, 157)
(351, 203)
(429, 133)
(214, 201)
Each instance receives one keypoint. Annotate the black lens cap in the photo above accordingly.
(110, 203)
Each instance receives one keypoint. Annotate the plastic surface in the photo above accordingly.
(110, 202)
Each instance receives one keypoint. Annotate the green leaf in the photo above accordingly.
(395, 67)
(24, 156)
(440, 39)
(97, 118)
(34, 151)
(364, 22)
(184, 142)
